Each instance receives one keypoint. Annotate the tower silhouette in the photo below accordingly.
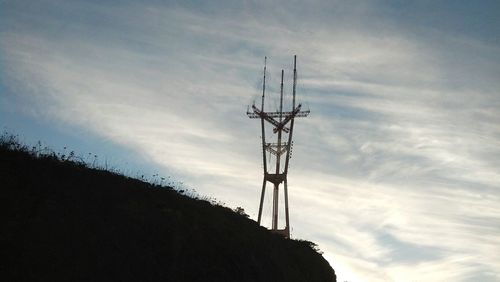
(279, 120)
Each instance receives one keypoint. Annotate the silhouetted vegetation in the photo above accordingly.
(63, 220)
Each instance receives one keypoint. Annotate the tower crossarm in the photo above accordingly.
(277, 114)
(277, 149)
(266, 117)
(289, 117)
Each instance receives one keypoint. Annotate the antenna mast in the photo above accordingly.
(279, 149)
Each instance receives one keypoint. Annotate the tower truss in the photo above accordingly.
(282, 123)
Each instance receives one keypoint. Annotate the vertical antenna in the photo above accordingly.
(281, 96)
(263, 144)
(264, 83)
(294, 80)
(280, 120)
(262, 119)
(278, 159)
(290, 134)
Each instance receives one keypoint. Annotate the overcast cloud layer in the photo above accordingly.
(395, 174)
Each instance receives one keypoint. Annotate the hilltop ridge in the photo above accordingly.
(65, 221)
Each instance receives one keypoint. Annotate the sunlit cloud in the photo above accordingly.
(395, 174)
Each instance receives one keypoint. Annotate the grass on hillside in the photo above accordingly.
(64, 219)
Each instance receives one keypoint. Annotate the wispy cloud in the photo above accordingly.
(395, 173)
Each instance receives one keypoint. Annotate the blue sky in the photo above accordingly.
(395, 174)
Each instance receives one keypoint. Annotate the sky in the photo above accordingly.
(395, 173)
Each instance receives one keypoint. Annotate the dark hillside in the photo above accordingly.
(63, 221)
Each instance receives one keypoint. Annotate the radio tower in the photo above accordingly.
(279, 120)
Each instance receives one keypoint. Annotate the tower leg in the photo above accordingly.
(275, 207)
(262, 200)
(287, 219)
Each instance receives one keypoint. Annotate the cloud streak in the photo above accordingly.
(395, 173)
